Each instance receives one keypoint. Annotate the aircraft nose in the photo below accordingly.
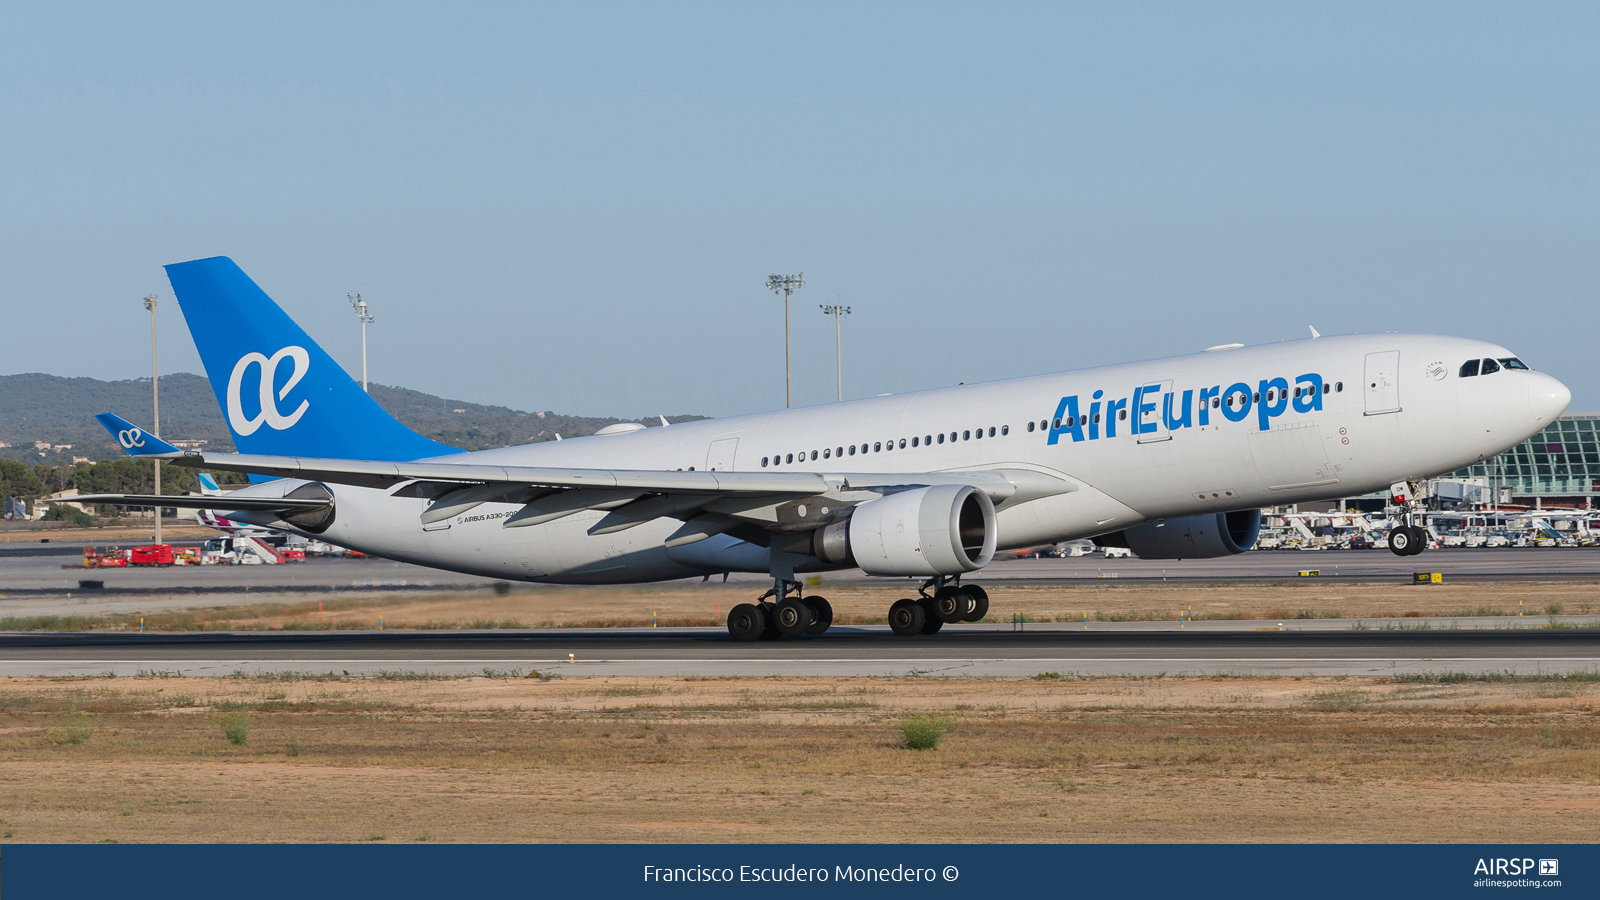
(1547, 397)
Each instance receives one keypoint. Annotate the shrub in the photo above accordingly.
(920, 732)
(236, 727)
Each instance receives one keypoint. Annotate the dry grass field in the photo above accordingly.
(500, 758)
(692, 603)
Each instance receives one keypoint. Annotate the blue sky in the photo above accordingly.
(575, 207)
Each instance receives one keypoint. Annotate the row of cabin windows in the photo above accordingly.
(882, 446)
(1488, 366)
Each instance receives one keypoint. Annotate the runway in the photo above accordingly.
(979, 650)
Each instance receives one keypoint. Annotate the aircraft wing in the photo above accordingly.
(184, 501)
(709, 502)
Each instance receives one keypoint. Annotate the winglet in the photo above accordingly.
(139, 443)
(1314, 333)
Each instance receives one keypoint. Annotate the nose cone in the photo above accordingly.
(1547, 397)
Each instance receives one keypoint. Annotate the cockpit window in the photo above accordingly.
(1490, 367)
(1511, 362)
(1469, 368)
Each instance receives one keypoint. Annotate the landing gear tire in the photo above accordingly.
(821, 615)
(977, 603)
(949, 605)
(1420, 542)
(746, 622)
(792, 617)
(906, 617)
(1402, 541)
(931, 623)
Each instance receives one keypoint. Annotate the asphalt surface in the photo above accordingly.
(1301, 649)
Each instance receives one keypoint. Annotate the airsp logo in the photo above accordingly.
(130, 438)
(267, 369)
(1436, 371)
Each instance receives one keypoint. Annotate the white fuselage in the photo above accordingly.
(1393, 408)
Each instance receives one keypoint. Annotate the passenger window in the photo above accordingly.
(902, 443)
(941, 437)
(1070, 421)
(1338, 387)
(927, 439)
(1058, 424)
(1041, 426)
(1468, 369)
(1097, 418)
(838, 451)
(915, 442)
(1489, 367)
(991, 431)
(1030, 427)
(966, 435)
(1326, 387)
(1122, 415)
(1005, 430)
(1256, 396)
(852, 449)
(877, 447)
(1511, 362)
(978, 434)
(763, 462)
(952, 437)
(1216, 402)
(790, 458)
(826, 453)
(813, 454)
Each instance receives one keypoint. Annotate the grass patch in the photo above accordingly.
(1497, 678)
(235, 726)
(1337, 701)
(924, 732)
(73, 733)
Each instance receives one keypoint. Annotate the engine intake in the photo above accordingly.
(1191, 537)
(945, 529)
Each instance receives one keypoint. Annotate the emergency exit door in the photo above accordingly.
(1382, 384)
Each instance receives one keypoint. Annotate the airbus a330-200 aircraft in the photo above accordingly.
(1172, 458)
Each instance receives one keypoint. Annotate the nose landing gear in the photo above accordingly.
(1407, 538)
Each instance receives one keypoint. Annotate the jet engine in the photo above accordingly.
(1191, 537)
(946, 529)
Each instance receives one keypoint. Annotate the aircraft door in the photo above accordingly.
(1149, 423)
(720, 457)
(1382, 384)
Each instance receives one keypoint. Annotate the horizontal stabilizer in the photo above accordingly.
(179, 501)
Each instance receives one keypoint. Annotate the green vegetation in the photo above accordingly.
(235, 726)
(924, 732)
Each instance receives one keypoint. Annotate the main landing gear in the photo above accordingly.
(788, 615)
(1408, 540)
(951, 602)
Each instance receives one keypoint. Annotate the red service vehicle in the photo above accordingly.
(153, 555)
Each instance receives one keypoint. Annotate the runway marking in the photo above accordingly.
(927, 659)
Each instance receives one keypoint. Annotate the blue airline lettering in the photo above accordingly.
(1269, 401)
(1266, 410)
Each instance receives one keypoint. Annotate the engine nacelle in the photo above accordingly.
(946, 529)
(1191, 537)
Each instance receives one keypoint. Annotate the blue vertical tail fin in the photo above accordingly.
(281, 393)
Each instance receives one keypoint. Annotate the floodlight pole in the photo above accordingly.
(788, 284)
(838, 312)
(150, 302)
(360, 307)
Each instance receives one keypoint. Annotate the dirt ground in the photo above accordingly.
(866, 603)
(798, 759)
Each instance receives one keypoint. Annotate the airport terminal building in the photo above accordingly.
(1559, 466)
